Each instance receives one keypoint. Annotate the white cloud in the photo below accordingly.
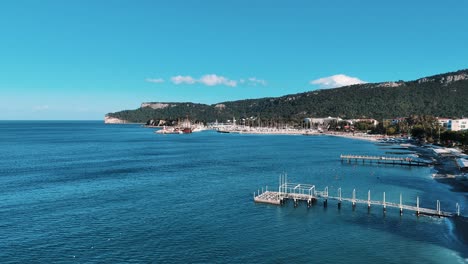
(254, 81)
(155, 80)
(179, 79)
(213, 79)
(338, 80)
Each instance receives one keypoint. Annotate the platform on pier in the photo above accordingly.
(268, 197)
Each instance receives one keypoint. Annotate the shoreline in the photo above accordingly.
(446, 169)
(357, 136)
(448, 173)
(295, 132)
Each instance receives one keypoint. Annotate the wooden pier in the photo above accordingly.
(306, 192)
(404, 161)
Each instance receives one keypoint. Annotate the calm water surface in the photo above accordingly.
(84, 192)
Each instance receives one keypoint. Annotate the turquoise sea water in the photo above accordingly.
(84, 192)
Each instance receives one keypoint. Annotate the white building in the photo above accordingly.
(443, 122)
(457, 124)
(365, 120)
(322, 120)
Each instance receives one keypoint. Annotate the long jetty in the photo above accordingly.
(308, 193)
(407, 161)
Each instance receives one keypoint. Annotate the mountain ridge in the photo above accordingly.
(440, 95)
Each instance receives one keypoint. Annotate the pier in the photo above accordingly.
(297, 192)
(404, 161)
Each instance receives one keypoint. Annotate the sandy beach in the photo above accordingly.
(359, 136)
(290, 131)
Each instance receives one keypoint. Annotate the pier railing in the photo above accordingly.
(308, 193)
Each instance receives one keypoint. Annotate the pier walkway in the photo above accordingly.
(308, 193)
(408, 161)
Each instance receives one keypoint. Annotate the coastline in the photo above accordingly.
(292, 132)
(357, 136)
(448, 173)
(446, 169)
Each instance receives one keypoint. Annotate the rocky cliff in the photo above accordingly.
(114, 120)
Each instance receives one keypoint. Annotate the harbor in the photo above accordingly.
(308, 193)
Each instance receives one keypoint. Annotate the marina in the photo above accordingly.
(308, 193)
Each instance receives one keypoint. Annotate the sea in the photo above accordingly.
(86, 192)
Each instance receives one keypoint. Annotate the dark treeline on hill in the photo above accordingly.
(444, 95)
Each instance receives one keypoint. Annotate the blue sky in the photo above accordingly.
(83, 59)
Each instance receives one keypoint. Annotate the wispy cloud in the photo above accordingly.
(208, 80)
(211, 80)
(254, 81)
(338, 80)
(155, 80)
(179, 79)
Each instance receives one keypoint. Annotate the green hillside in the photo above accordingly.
(440, 95)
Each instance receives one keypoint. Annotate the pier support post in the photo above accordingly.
(339, 199)
(401, 205)
(354, 198)
(438, 208)
(325, 203)
(384, 205)
(279, 188)
(417, 205)
(368, 200)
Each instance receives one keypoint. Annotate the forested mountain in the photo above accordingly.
(440, 95)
